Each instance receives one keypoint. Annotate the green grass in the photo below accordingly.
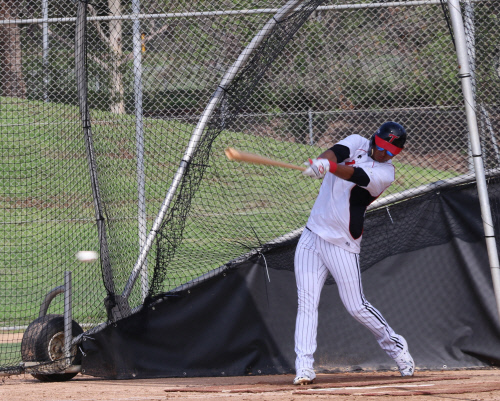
(47, 211)
(408, 177)
(10, 354)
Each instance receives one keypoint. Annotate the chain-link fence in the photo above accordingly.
(145, 72)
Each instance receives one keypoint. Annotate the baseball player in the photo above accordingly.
(355, 172)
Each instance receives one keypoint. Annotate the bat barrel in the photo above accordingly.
(233, 154)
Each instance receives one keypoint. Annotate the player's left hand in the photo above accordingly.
(317, 168)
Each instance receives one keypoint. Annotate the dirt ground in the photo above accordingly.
(470, 385)
(6, 338)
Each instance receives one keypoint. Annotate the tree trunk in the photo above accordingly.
(11, 75)
(115, 44)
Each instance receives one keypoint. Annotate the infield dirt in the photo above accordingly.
(466, 385)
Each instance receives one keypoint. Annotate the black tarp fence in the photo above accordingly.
(430, 278)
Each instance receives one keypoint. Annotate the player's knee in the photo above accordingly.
(355, 310)
(307, 305)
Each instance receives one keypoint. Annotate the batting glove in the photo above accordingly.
(317, 168)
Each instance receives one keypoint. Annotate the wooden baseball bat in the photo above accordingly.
(233, 154)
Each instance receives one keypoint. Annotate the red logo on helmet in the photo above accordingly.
(392, 136)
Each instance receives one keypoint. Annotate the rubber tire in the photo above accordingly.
(36, 340)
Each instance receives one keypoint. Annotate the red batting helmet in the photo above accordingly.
(391, 136)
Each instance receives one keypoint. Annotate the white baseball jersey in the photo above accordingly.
(330, 244)
(338, 213)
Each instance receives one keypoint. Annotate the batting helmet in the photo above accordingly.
(391, 136)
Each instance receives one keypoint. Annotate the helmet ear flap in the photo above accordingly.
(372, 145)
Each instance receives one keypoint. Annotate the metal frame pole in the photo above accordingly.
(68, 319)
(139, 135)
(468, 93)
(203, 14)
(45, 47)
(471, 52)
(311, 131)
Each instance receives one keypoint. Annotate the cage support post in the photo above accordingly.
(311, 131)
(45, 49)
(198, 132)
(139, 138)
(470, 110)
(68, 318)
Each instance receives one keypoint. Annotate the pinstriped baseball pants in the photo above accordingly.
(314, 258)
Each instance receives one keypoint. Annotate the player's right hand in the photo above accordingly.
(317, 168)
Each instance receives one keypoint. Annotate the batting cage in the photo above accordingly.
(115, 117)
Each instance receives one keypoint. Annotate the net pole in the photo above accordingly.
(68, 319)
(203, 14)
(198, 132)
(471, 43)
(45, 48)
(139, 134)
(468, 93)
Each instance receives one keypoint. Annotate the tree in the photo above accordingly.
(112, 37)
(115, 45)
(109, 58)
(11, 75)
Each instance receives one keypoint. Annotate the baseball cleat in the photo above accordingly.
(302, 380)
(405, 362)
(304, 377)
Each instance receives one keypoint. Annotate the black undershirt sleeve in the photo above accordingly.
(341, 151)
(359, 177)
